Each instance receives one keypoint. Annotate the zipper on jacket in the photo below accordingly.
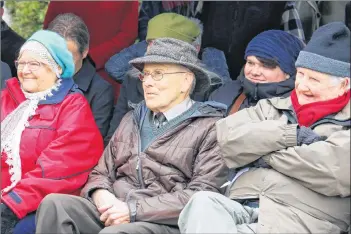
(128, 195)
(255, 94)
(13, 97)
(138, 167)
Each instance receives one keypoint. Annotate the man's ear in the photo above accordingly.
(346, 83)
(85, 53)
(188, 81)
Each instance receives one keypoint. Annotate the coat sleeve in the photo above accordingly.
(118, 65)
(102, 109)
(323, 166)
(63, 166)
(124, 38)
(209, 173)
(246, 135)
(103, 174)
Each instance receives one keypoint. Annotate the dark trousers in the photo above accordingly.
(60, 213)
(25, 225)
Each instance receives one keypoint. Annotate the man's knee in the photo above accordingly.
(49, 201)
(127, 228)
(204, 197)
(53, 201)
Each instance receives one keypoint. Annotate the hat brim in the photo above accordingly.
(202, 78)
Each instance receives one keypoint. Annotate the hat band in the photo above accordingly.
(323, 64)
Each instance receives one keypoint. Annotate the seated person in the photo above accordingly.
(169, 25)
(269, 71)
(164, 151)
(49, 139)
(98, 92)
(305, 140)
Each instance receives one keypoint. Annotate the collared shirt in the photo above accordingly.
(178, 109)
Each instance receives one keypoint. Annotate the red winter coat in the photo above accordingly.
(58, 149)
(112, 25)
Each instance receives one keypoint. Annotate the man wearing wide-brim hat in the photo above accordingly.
(163, 152)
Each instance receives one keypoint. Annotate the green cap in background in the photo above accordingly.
(172, 25)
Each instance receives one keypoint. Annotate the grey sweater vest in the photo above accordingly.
(149, 132)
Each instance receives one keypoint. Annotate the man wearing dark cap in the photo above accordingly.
(305, 140)
(164, 151)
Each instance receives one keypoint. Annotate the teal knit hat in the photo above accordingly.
(57, 47)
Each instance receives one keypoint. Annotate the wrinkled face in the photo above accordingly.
(172, 89)
(77, 56)
(33, 74)
(257, 72)
(312, 86)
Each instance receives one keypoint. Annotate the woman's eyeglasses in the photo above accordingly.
(32, 65)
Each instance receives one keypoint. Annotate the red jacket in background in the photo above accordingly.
(58, 149)
(113, 26)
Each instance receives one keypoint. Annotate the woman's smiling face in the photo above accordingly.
(33, 74)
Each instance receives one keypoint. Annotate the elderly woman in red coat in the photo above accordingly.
(49, 139)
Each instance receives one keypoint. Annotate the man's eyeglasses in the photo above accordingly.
(32, 65)
(156, 75)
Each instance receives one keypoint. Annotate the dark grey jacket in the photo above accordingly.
(99, 94)
(5, 73)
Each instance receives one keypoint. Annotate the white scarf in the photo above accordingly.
(12, 128)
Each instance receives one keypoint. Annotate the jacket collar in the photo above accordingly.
(258, 91)
(58, 95)
(285, 104)
(85, 75)
(203, 109)
(4, 26)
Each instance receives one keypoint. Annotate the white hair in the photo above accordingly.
(336, 80)
(193, 84)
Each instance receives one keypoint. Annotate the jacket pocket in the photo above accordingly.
(45, 137)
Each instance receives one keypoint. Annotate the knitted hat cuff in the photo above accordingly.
(41, 51)
(323, 64)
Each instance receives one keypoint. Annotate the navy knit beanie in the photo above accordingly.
(276, 45)
(328, 51)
